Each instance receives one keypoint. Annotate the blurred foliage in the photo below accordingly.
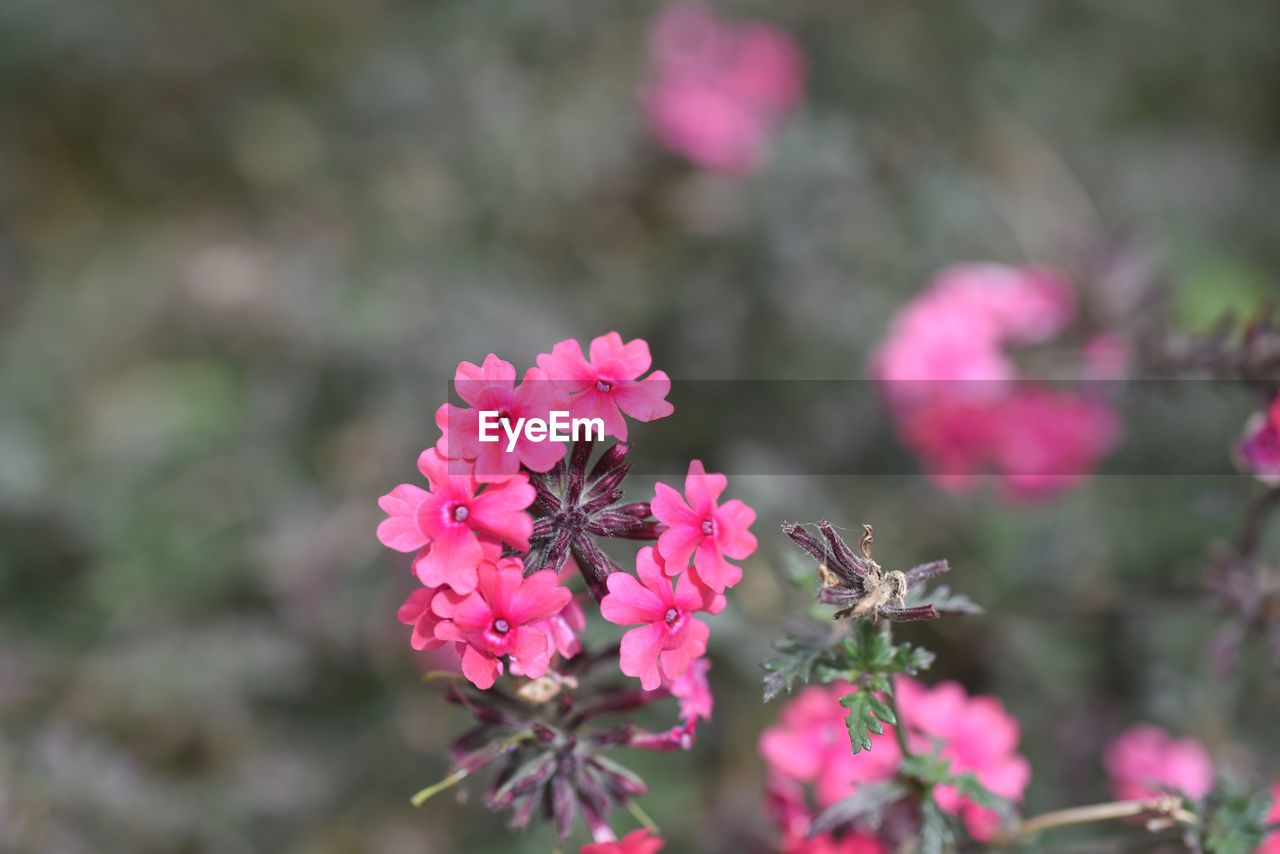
(243, 245)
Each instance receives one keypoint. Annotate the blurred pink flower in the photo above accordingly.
(810, 745)
(609, 385)
(1271, 845)
(977, 735)
(491, 387)
(958, 399)
(670, 637)
(700, 529)
(500, 618)
(828, 843)
(718, 89)
(456, 518)
(636, 842)
(1145, 760)
(1259, 448)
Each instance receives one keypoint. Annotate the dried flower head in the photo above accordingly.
(858, 583)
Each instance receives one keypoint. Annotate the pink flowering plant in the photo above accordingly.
(514, 547)
(867, 759)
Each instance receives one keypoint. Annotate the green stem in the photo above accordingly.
(899, 728)
(643, 817)
(436, 788)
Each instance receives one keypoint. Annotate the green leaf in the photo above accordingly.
(801, 660)
(943, 600)
(969, 786)
(936, 836)
(865, 807)
(1236, 820)
(867, 714)
(870, 652)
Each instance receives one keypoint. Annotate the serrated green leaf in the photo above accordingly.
(800, 660)
(866, 712)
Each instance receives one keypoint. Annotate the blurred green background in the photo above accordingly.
(244, 245)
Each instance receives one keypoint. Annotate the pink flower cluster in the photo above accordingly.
(1259, 449)
(1145, 762)
(958, 398)
(809, 747)
(666, 645)
(719, 89)
(477, 498)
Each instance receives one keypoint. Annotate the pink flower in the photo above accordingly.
(693, 691)
(491, 388)
(563, 629)
(955, 330)
(719, 90)
(1259, 448)
(670, 638)
(828, 843)
(810, 745)
(958, 399)
(636, 842)
(610, 383)
(702, 530)
(416, 611)
(1271, 845)
(1145, 761)
(977, 735)
(455, 519)
(499, 618)
(1045, 441)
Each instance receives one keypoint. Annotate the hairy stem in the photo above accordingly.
(1098, 812)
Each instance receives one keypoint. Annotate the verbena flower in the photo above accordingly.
(719, 89)
(500, 617)
(1145, 762)
(609, 384)
(700, 529)
(976, 735)
(455, 518)
(809, 745)
(1271, 845)
(957, 396)
(636, 842)
(1259, 448)
(416, 611)
(491, 387)
(670, 638)
(693, 691)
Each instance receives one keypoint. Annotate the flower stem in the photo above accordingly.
(643, 817)
(436, 788)
(1097, 812)
(899, 727)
